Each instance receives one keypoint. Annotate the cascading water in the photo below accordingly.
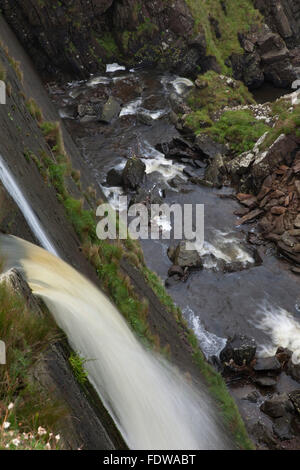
(153, 405)
(13, 189)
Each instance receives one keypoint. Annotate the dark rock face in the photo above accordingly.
(283, 16)
(73, 36)
(266, 58)
(133, 173)
(240, 349)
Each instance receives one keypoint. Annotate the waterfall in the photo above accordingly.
(13, 189)
(152, 404)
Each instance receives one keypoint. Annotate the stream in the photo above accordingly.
(257, 301)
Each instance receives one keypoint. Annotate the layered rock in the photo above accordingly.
(76, 38)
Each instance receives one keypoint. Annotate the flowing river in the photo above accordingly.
(253, 301)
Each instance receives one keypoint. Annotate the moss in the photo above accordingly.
(240, 129)
(34, 110)
(77, 363)
(25, 335)
(108, 43)
(288, 122)
(239, 17)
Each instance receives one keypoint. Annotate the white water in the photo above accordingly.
(12, 188)
(283, 329)
(152, 404)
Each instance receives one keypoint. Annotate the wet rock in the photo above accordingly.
(114, 178)
(293, 370)
(263, 435)
(172, 281)
(265, 381)
(134, 173)
(183, 257)
(253, 397)
(240, 349)
(295, 399)
(178, 183)
(110, 111)
(146, 197)
(175, 270)
(145, 118)
(214, 173)
(282, 428)
(277, 406)
(264, 364)
(208, 147)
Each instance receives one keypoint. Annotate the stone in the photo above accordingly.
(110, 110)
(253, 397)
(208, 147)
(282, 428)
(265, 381)
(175, 270)
(295, 399)
(240, 164)
(114, 178)
(263, 435)
(213, 172)
(277, 406)
(278, 210)
(264, 364)
(250, 216)
(186, 258)
(297, 221)
(134, 173)
(241, 349)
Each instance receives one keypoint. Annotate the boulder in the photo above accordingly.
(241, 349)
(110, 110)
(213, 173)
(295, 399)
(282, 428)
(265, 381)
(134, 173)
(185, 258)
(208, 147)
(175, 270)
(264, 364)
(277, 406)
(114, 178)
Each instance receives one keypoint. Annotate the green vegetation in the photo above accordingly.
(239, 17)
(238, 128)
(288, 121)
(108, 43)
(25, 409)
(34, 110)
(77, 363)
